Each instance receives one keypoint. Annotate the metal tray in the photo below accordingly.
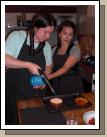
(68, 103)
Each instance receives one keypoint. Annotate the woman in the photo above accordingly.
(66, 78)
(26, 52)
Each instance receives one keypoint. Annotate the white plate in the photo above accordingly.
(88, 115)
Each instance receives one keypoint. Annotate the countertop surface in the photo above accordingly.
(38, 102)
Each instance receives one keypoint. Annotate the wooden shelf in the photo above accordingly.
(16, 27)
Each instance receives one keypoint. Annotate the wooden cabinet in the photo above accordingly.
(87, 45)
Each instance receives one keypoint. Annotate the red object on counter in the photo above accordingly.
(92, 121)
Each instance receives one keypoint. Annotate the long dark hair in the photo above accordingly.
(39, 20)
(66, 23)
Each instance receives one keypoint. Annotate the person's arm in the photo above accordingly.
(70, 62)
(11, 62)
(48, 58)
(48, 69)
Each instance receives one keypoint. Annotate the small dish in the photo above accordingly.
(89, 117)
(56, 102)
(81, 101)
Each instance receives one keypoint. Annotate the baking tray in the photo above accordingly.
(68, 102)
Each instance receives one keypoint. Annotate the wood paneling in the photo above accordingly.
(87, 44)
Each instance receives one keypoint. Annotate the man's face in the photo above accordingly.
(43, 34)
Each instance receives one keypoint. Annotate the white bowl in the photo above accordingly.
(87, 116)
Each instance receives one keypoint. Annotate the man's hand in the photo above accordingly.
(33, 68)
(39, 87)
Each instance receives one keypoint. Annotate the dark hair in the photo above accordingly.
(42, 20)
(66, 23)
(39, 20)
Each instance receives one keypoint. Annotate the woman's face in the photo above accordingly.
(43, 34)
(66, 35)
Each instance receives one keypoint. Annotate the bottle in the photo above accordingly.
(37, 80)
(19, 21)
(23, 18)
(93, 83)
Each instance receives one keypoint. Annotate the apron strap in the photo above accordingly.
(23, 43)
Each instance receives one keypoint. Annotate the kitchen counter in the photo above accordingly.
(37, 103)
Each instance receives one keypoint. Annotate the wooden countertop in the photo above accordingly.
(79, 112)
(37, 102)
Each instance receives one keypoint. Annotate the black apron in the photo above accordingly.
(17, 83)
(67, 83)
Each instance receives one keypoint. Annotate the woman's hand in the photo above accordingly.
(49, 76)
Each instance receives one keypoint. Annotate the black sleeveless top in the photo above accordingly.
(70, 82)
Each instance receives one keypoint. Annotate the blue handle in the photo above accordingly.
(37, 80)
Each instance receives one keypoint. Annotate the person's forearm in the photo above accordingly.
(71, 61)
(11, 62)
(60, 72)
(48, 69)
